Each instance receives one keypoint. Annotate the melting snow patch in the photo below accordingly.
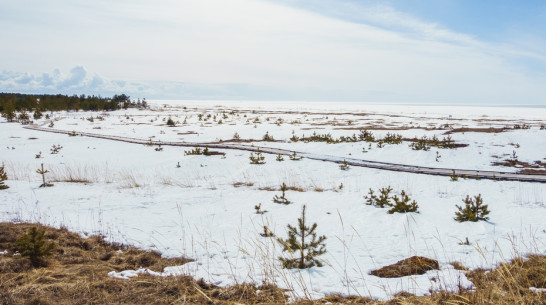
(4, 252)
(127, 274)
(537, 290)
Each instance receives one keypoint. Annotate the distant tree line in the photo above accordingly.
(17, 102)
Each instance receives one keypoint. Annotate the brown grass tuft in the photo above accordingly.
(409, 266)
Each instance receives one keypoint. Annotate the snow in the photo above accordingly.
(537, 290)
(204, 210)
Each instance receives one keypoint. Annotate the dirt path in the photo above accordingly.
(468, 173)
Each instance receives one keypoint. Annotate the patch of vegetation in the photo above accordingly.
(294, 156)
(3, 177)
(344, 165)
(473, 210)
(42, 171)
(34, 246)
(453, 176)
(302, 239)
(414, 265)
(259, 210)
(55, 149)
(267, 137)
(282, 199)
(258, 158)
(170, 122)
(397, 204)
(425, 143)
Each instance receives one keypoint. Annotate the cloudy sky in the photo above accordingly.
(399, 51)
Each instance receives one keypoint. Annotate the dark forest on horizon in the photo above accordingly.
(10, 103)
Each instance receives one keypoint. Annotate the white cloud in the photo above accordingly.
(254, 49)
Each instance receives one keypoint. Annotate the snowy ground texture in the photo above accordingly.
(204, 209)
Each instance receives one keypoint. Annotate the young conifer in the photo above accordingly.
(3, 177)
(304, 241)
(282, 199)
(32, 244)
(474, 210)
(402, 204)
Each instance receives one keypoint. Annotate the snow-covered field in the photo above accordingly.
(204, 209)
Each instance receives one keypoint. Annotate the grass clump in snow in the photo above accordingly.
(409, 266)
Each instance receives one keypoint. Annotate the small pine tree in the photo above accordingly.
(170, 122)
(370, 198)
(3, 177)
(195, 151)
(302, 239)
(295, 157)
(42, 172)
(282, 199)
(267, 232)
(383, 199)
(267, 137)
(37, 114)
(258, 159)
(32, 244)
(454, 176)
(403, 205)
(259, 210)
(474, 210)
(279, 158)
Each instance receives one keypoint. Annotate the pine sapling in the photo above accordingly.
(303, 245)
(33, 245)
(267, 137)
(453, 176)
(42, 172)
(259, 210)
(384, 196)
(267, 232)
(282, 199)
(295, 157)
(402, 204)
(344, 165)
(3, 177)
(258, 159)
(279, 158)
(370, 198)
(473, 210)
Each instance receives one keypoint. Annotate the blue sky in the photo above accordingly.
(427, 51)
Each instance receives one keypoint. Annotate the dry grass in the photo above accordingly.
(77, 274)
(410, 266)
